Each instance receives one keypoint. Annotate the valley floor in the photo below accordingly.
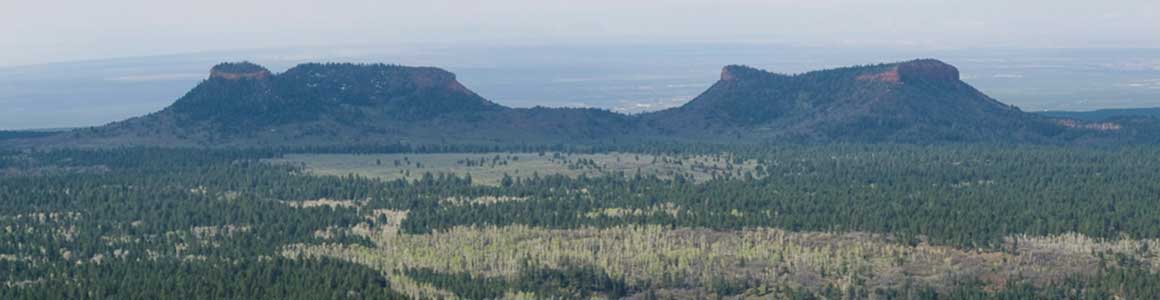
(793, 222)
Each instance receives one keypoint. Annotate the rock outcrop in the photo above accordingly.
(239, 70)
(927, 70)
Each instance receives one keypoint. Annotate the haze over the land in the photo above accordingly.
(51, 31)
(123, 58)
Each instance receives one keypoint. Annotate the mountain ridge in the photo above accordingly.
(913, 101)
(916, 101)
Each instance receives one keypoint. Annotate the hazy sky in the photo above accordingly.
(52, 30)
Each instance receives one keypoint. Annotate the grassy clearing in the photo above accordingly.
(490, 168)
(759, 260)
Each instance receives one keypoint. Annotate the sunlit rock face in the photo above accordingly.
(927, 70)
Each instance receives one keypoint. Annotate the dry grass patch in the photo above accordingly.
(656, 256)
(324, 202)
(616, 212)
(482, 200)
